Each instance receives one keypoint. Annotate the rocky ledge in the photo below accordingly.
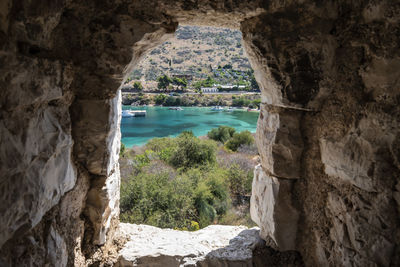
(215, 245)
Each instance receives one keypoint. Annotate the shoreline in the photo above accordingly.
(194, 100)
(225, 107)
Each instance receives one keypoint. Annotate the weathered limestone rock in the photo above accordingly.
(356, 156)
(215, 245)
(97, 137)
(280, 142)
(50, 241)
(56, 249)
(349, 239)
(36, 156)
(102, 204)
(271, 208)
(100, 139)
(341, 161)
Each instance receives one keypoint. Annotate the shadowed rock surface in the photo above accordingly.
(328, 132)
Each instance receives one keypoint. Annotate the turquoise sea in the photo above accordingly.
(162, 122)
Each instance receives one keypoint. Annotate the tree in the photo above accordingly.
(240, 102)
(197, 85)
(239, 181)
(257, 103)
(180, 82)
(209, 82)
(163, 82)
(253, 83)
(228, 66)
(160, 99)
(192, 151)
(170, 101)
(122, 150)
(138, 86)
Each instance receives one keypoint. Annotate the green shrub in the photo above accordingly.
(160, 99)
(138, 86)
(202, 201)
(122, 150)
(142, 160)
(170, 101)
(221, 134)
(194, 226)
(257, 103)
(159, 144)
(191, 151)
(238, 139)
(180, 82)
(163, 81)
(241, 102)
(156, 200)
(239, 180)
(193, 195)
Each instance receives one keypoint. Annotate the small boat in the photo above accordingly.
(175, 108)
(127, 113)
(230, 109)
(217, 108)
(133, 113)
(252, 109)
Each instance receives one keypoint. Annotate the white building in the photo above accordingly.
(209, 89)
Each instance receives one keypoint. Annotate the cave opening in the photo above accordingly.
(328, 183)
(197, 71)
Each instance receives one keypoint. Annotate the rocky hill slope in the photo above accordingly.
(197, 52)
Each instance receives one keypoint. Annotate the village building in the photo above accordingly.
(209, 89)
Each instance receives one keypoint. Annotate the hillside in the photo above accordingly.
(197, 52)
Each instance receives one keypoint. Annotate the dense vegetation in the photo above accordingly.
(175, 99)
(228, 136)
(165, 82)
(186, 182)
(225, 75)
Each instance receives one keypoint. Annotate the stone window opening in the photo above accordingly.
(284, 233)
(183, 247)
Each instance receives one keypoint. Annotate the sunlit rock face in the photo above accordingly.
(215, 245)
(272, 209)
(329, 122)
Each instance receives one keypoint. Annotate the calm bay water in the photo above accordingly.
(162, 122)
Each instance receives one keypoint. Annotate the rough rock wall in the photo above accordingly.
(328, 132)
(61, 64)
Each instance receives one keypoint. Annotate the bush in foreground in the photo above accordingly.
(192, 196)
(191, 151)
(221, 134)
(238, 139)
(230, 138)
(178, 183)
